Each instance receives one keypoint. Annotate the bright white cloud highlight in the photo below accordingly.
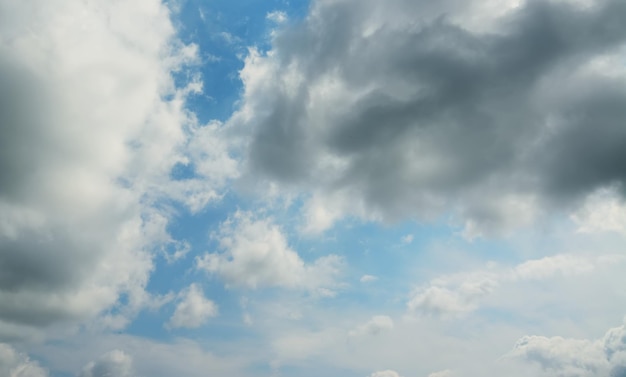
(193, 310)
(255, 253)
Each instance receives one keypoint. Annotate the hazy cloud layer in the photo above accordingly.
(413, 108)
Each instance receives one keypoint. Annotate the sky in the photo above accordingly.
(293, 188)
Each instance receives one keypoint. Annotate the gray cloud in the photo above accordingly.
(413, 109)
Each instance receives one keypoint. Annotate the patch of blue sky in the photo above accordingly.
(223, 30)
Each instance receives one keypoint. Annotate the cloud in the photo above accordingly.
(443, 373)
(412, 109)
(561, 357)
(15, 364)
(446, 296)
(375, 326)
(113, 364)
(603, 211)
(463, 292)
(255, 254)
(368, 279)
(193, 310)
(91, 125)
(385, 373)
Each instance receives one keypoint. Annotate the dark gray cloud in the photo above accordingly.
(413, 109)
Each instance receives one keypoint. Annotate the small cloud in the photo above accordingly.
(193, 310)
(443, 373)
(277, 16)
(368, 279)
(407, 239)
(113, 364)
(378, 324)
(385, 373)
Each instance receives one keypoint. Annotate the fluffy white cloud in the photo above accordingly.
(91, 125)
(604, 211)
(255, 254)
(561, 357)
(193, 310)
(15, 364)
(112, 364)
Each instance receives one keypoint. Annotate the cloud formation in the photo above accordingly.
(561, 357)
(255, 254)
(460, 293)
(91, 124)
(112, 364)
(15, 364)
(193, 310)
(414, 109)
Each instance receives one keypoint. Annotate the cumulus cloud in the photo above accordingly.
(15, 364)
(112, 364)
(91, 125)
(561, 357)
(408, 109)
(255, 253)
(193, 310)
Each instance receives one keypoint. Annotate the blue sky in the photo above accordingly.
(301, 188)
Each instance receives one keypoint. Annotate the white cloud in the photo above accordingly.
(407, 239)
(255, 254)
(193, 310)
(443, 373)
(385, 373)
(446, 295)
(91, 127)
(368, 278)
(463, 292)
(115, 363)
(15, 364)
(561, 357)
(375, 326)
(277, 16)
(603, 211)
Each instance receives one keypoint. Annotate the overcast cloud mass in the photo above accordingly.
(399, 188)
